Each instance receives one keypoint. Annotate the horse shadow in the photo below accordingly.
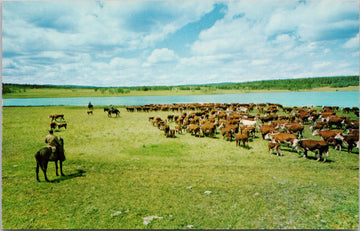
(78, 173)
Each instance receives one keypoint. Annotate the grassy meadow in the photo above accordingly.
(123, 173)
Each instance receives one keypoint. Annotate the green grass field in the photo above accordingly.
(122, 170)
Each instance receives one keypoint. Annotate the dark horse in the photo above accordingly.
(112, 111)
(44, 155)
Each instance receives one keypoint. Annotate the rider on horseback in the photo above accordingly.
(90, 106)
(53, 143)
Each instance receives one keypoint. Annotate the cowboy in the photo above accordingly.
(52, 141)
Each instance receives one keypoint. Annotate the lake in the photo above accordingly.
(336, 98)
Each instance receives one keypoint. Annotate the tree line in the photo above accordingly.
(279, 84)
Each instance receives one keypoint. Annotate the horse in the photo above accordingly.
(112, 111)
(44, 155)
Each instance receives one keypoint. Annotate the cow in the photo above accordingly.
(287, 109)
(221, 115)
(56, 116)
(166, 129)
(294, 128)
(346, 110)
(335, 120)
(60, 125)
(248, 122)
(326, 134)
(284, 138)
(130, 109)
(243, 137)
(233, 127)
(336, 142)
(90, 112)
(227, 133)
(178, 129)
(353, 124)
(171, 133)
(52, 125)
(170, 117)
(318, 125)
(193, 129)
(315, 145)
(266, 129)
(268, 118)
(251, 130)
(350, 141)
(208, 128)
(274, 146)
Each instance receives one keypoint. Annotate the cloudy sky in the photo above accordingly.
(138, 43)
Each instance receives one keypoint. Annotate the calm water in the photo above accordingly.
(340, 98)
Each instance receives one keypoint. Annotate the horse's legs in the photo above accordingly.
(61, 169)
(56, 167)
(44, 168)
(37, 171)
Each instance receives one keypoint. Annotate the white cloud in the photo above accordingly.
(352, 43)
(120, 43)
(162, 56)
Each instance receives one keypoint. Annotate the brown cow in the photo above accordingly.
(294, 128)
(274, 146)
(326, 134)
(336, 142)
(313, 145)
(284, 138)
(56, 116)
(166, 129)
(335, 120)
(171, 133)
(194, 129)
(266, 129)
(170, 117)
(244, 138)
(318, 125)
(350, 141)
(90, 112)
(178, 129)
(227, 133)
(208, 128)
(251, 130)
(60, 125)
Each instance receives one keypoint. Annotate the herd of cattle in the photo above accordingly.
(240, 122)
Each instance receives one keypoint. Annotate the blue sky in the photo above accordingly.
(138, 43)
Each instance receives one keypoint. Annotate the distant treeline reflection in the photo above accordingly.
(286, 84)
